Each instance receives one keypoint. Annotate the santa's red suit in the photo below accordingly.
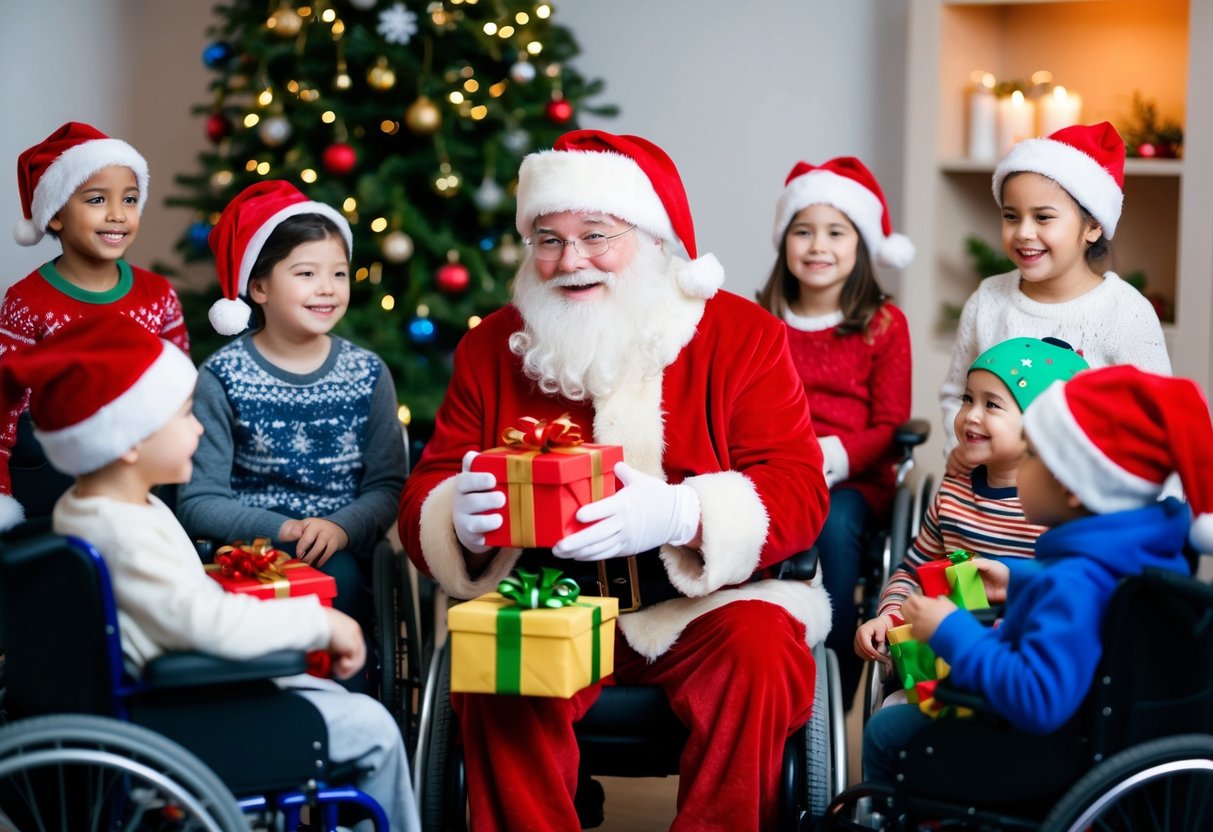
(728, 417)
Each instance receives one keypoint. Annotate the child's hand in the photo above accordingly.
(317, 539)
(926, 614)
(870, 639)
(346, 644)
(957, 463)
(996, 576)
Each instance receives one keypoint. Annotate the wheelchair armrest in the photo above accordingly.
(801, 566)
(188, 668)
(912, 433)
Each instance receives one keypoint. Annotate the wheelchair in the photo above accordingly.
(1138, 755)
(630, 731)
(88, 746)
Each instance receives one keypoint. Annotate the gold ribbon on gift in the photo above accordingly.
(272, 562)
(539, 436)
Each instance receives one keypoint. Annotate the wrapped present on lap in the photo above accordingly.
(546, 473)
(534, 637)
(262, 571)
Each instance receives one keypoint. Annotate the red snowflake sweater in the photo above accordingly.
(858, 387)
(40, 303)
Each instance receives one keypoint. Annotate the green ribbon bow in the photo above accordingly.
(546, 591)
(529, 591)
(960, 556)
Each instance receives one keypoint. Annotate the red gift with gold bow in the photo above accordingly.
(546, 472)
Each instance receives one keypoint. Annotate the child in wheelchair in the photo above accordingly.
(1101, 447)
(979, 512)
(302, 443)
(112, 404)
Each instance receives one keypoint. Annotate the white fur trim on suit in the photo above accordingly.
(11, 512)
(443, 554)
(115, 428)
(1084, 178)
(735, 525)
(653, 631)
(553, 181)
(69, 171)
(1077, 463)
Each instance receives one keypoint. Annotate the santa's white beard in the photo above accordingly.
(582, 348)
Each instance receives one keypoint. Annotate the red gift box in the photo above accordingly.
(285, 578)
(546, 474)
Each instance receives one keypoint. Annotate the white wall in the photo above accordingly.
(735, 92)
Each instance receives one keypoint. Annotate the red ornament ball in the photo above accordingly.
(1147, 150)
(218, 128)
(452, 278)
(560, 110)
(339, 159)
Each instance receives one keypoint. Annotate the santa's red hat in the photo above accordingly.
(242, 231)
(1113, 436)
(625, 176)
(50, 172)
(98, 386)
(846, 184)
(1087, 160)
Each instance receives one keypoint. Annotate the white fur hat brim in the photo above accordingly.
(141, 410)
(1079, 174)
(69, 171)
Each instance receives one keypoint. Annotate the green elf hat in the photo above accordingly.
(1028, 365)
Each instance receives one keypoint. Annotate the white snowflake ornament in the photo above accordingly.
(397, 24)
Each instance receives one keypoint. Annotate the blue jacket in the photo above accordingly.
(1036, 667)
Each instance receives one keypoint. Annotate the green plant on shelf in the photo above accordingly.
(1149, 137)
(988, 261)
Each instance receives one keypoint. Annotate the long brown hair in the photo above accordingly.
(861, 293)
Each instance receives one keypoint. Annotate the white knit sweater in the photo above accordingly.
(1111, 324)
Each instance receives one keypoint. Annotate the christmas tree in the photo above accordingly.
(409, 117)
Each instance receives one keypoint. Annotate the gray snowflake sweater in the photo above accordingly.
(281, 445)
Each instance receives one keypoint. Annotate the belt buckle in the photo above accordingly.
(605, 583)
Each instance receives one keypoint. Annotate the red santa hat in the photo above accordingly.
(1087, 160)
(50, 172)
(242, 231)
(98, 386)
(625, 176)
(1114, 435)
(846, 184)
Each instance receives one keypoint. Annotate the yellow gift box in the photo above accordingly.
(499, 647)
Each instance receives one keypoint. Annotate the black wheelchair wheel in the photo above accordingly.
(442, 786)
(901, 534)
(79, 772)
(387, 631)
(1158, 785)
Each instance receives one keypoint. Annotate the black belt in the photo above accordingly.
(638, 581)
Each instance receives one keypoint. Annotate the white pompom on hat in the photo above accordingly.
(1113, 436)
(242, 231)
(846, 184)
(625, 176)
(50, 172)
(1087, 160)
(98, 386)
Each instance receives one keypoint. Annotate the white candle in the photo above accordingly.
(983, 119)
(1059, 109)
(1016, 120)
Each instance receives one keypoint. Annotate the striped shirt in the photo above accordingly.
(967, 513)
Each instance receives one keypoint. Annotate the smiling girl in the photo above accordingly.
(851, 347)
(302, 444)
(1060, 199)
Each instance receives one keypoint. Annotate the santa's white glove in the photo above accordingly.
(474, 495)
(835, 463)
(646, 513)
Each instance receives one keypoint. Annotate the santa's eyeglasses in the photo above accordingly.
(551, 247)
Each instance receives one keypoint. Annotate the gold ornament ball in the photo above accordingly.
(381, 76)
(423, 116)
(397, 247)
(285, 22)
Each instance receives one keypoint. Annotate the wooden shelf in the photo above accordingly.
(1133, 167)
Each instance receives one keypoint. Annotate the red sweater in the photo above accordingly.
(858, 388)
(43, 301)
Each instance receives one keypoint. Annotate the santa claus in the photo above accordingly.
(722, 479)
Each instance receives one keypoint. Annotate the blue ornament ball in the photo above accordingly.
(217, 54)
(422, 330)
(488, 243)
(198, 233)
